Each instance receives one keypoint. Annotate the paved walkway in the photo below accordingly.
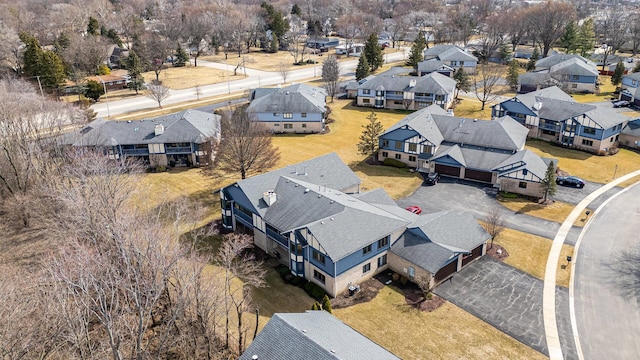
(506, 298)
(549, 289)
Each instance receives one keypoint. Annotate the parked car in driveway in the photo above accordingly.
(621, 103)
(432, 178)
(415, 209)
(570, 181)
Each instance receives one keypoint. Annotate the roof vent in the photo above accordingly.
(537, 105)
(475, 120)
(287, 92)
(129, 121)
(159, 129)
(412, 82)
(304, 331)
(269, 197)
(254, 357)
(306, 190)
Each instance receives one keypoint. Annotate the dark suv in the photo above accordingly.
(432, 178)
(570, 181)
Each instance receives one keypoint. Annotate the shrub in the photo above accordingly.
(314, 290)
(296, 280)
(326, 304)
(508, 195)
(283, 270)
(395, 163)
(403, 280)
(429, 295)
(395, 277)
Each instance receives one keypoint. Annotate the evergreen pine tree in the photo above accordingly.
(181, 57)
(616, 78)
(512, 74)
(273, 45)
(363, 69)
(415, 56)
(368, 144)
(531, 64)
(569, 40)
(93, 90)
(316, 306)
(504, 53)
(463, 82)
(373, 51)
(326, 304)
(586, 37)
(133, 64)
(549, 181)
(93, 27)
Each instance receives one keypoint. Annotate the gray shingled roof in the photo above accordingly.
(558, 58)
(296, 98)
(473, 157)
(421, 252)
(632, 76)
(503, 133)
(315, 335)
(632, 128)
(422, 122)
(560, 110)
(432, 65)
(552, 92)
(192, 126)
(433, 83)
(537, 78)
(326, 170)
(438, 49)
(448, 52)
(377, 196)
(605, 117)
(532, 162)
(574, 66)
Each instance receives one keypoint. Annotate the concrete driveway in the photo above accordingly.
(509, 300)
(457, 194)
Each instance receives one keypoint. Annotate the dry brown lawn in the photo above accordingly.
(590, 167)
(446, 333)
(470, 108)
(529, 253)
(557, 211)
(185, 77)
(604, 94)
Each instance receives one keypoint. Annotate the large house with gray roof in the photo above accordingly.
(181, 139)
(490, 152)
(552, 115)
(299, 108)
(406, 92)
(572, 73)
(315, 335)
(451, 56)
(630, 88)
(314, 219)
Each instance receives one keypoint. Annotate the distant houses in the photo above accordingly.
(552, 115)
(451, 56)
(182, 139)
(490, 152)
(572, 73)
(298, 108)
(314, 219)
(406, 92)
(629, 88)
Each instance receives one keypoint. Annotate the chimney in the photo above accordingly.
(412, 82)
(269, 197)
(159, 129)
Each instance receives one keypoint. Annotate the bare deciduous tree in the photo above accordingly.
(486, 82)
(245, 147)
(613, 27)
(331, 76)
(494, 223)
(284, 70)
(158, 93)
(547, 22)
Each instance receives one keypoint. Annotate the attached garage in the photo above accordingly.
(448, 170)
(475, 253)
(477, 175)
(447, 271)
(626, 96)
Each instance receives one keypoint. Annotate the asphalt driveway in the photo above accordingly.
(509, 300)
(457, 194)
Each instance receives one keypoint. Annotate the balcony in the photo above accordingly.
(277, 237)
(178, 149)
(423, 98)
(246, 219)
(135, 152)
(394, 96)
(550, 127)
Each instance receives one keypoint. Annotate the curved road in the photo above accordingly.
(607, 281)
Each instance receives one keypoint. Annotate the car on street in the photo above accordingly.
(415, 209)
(570, 181)
(432, 178)
(621, 103)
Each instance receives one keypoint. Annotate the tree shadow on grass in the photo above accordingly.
(377, 169)
(559, 152)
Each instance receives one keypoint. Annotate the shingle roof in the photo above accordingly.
(377, 196)
(186, 126)
(560, 110)
(632, 128)
(503, 133)
(422, 122)
(574, 66)
(552, 92)
(425, 254)
(536, 78)
(432, 65)
(326, 170)
(314, 335)
(558, 58)
(448, 52)
(473, 157)
(604, 117)
(632, 76)
(296, 98)
(531, 161)
(433, 83)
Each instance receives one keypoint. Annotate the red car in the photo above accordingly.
(415, 209)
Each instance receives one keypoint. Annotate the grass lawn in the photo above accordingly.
(605, 93)
(470, 108)
(529, 253)
(590, 167)
(189, 76)
(557, 211)
(446, 333)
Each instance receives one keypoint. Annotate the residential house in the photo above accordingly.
(313, 218)
(322, 43)
(314, 335)
(427, 67)
(452, 56)
(407, 92)
(182, 139)
(354, 49)
(490, 152)
(116, 80)
(299, 108)
(551, 114)
(116, 55)
(630, 135)
(629, 88)
(573, 72)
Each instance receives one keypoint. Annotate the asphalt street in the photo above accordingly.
(607, 281)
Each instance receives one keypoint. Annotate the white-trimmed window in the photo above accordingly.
(319, 276)
(287, 115)
(366, 268)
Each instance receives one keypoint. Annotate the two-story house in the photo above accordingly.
(629, 88)
(299, 108)
(182, 139)
(572, 73)
(313, 218)
(551, 114)
(490, 152)
(452, 56)
(407, 92)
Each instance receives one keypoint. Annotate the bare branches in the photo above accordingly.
(486, 82)
(494, 223)
(158, 93)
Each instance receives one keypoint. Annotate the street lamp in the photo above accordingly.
(226, 63)
(106, 95)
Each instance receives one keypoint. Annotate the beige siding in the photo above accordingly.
(403, 157)
(355, 276)
(534, 189)
(361, 101)
(630, 141)
(297, 127)
(401, 266)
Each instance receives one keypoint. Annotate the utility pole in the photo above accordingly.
(106, 95)
(40, 85)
